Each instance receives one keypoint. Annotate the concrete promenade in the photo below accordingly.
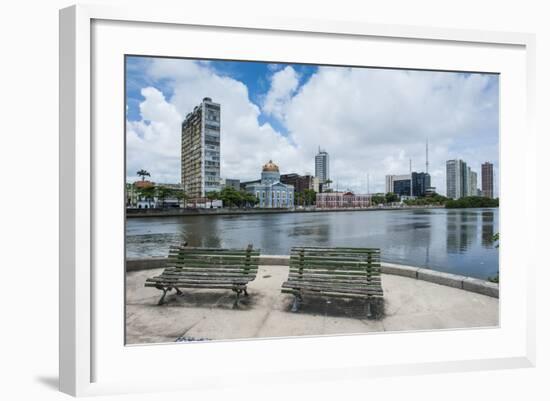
(410, 304)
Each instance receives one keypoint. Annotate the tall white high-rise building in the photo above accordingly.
(322, 166)
(456, 174)
(200, 149)
(473, 184)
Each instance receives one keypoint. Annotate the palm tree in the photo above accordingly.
(143, 173)
(326, 185)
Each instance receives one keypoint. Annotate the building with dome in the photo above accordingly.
(270, 191)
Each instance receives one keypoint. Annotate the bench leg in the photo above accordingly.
(245, 292)
(369, 309)
(164, 291)
(178, 292)
(297, 302)
(236, 303)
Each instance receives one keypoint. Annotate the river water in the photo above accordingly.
(450, 240)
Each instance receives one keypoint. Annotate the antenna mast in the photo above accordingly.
(411, 175)
(427, 156)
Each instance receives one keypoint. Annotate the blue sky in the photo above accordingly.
(255, 75)
(371, 121)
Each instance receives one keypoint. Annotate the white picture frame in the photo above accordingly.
(93, 357)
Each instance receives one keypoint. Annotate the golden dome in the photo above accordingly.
(270, 166)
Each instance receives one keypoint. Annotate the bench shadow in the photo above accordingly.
(336, 307)
(211, 299)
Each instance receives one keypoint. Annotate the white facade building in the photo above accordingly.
(322, 166)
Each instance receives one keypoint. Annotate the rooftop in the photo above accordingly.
(410, 304)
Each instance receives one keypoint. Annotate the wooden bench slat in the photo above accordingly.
(206, 270)
(324, 278)
(332, 294)
(200, 265)
(312, 283)
(199, 274)
(334, 267)
(250, 275)
(335, 249)
(214, 254)
(226, 286)
(210, 249)
(333, 287)
(233, 258)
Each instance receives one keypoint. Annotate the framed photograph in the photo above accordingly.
(312, 198)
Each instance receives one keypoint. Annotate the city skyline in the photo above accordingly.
(371, 121)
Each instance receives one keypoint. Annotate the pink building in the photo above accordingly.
(337, 200)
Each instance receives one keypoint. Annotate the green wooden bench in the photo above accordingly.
(209, 268)
(336, 272)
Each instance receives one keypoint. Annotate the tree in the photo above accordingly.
(248, 199)
(326, 185)
(391, 197)
(148, 194)
(143, 173)
(378, 199)
(309, 196)
(471, 202)
(230, 197)
(163, 193)
(212, 196)
(180, 195)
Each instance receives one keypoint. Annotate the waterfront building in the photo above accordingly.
(420, 183)
(134, 197)
(467, 178)
(322, 167)
(301, 182)
(245, 184)
(270, 191)
(170, 201)
(200, 150)
(398, 184)
(473, 184)
(457, 179)
(339, 200)
(430, 191)
(487, 179)
(414, 184)
(231, 183)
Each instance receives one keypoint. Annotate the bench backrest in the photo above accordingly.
(241, 262)
(335, 264)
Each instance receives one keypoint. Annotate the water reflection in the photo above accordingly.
(487, 228)
(458, 241)
(461, 230)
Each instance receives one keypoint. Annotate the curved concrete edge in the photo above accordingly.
(448, 279)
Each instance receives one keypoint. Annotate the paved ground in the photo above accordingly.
(410, 304)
